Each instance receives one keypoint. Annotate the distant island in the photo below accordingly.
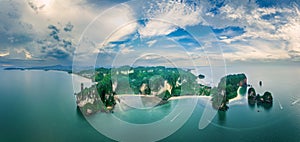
(45, 68)
(157, 82)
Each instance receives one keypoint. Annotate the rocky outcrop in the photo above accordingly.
(266, 98)
(266, 101)
(228, 89)
(251, 93)
(89, 101)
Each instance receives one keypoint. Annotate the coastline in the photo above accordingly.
(239, 99)
(190, 97)
(172, 98)
(131, 101)
(78, 79)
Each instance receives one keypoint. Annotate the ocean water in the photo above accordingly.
(40, 106)
(242, 122)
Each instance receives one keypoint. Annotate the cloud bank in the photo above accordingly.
(56, 31)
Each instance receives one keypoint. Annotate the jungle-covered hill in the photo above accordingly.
(157, 81)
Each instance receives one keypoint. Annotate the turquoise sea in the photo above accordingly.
(40, 106)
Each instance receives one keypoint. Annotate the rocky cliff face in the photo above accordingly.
(161, 88)
(89, 101)
(168, 87)
(87, 95)
(143, 87)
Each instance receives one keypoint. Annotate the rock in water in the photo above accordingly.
(260, 83)
(201, 76)
(251, 94)
(267, 97)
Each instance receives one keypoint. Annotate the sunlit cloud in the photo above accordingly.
(4, 54)
(245, 30)
(164, 17)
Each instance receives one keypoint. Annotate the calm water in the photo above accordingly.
(40, 106)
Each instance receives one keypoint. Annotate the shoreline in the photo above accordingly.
(131, 101)
(78, 79)
(172, 98)
(189, 97)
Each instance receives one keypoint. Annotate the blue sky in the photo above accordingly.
(121, 32)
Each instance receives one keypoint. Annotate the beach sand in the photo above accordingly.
(130, 101)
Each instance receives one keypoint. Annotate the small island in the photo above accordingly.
(266, 100)
(227, 89)
(157, 85)
(67, 69)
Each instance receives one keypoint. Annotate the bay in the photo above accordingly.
(40, 106)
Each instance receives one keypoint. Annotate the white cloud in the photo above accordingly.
(265, 51)
(156, 28)
(112, 25)
(19, 18)
(17, 53)
(290, 31)
(4, 54)
(126, 50)
(151, 42)
(223, 37)
(57, 13)
(26, 54)
(122, 31)
(165, 17)
(23, 51)
(27, 30)
(151, 57)
(274, 38)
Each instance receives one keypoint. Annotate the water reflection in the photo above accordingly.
(242, 91)
(222, 117)
(265, 106)
(251, 103)
(79, 113)
(253, 100)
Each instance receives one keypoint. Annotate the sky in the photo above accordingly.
(148, 32)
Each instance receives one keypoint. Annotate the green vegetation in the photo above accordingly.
(266, 100)
(152, 81)
(231, 83)
(157, 81)
(267, 97)
(227, 89)
(219, 101)
(251, 97)
(251, 93)
(204, 90)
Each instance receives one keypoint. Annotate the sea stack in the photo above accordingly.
(260, 83)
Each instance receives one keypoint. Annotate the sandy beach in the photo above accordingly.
(124, 96)
(190, 97)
